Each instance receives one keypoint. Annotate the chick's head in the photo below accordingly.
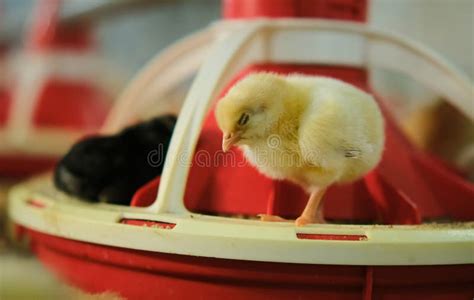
(249, 111)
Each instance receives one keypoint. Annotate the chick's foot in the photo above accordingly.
(271, 218)
(304, 220)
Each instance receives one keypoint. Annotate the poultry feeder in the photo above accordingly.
(53, 96)
(190, 232)
(4, 95)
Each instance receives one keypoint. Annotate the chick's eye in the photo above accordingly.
(244, 118)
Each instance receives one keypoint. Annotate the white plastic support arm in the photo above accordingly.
(205, 88)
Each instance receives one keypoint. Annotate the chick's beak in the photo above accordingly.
(229, 139)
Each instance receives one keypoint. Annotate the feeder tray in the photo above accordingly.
(174, 241)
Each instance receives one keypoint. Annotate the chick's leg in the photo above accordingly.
(312, 213)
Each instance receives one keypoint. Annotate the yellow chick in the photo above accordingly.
(314, 131)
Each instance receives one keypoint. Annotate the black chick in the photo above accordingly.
(111, 168)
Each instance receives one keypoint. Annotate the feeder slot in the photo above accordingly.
(35, 203)
(331, 237)
(148, 223)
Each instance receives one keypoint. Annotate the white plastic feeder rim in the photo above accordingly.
(236, 44)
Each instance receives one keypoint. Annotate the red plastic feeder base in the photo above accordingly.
(146, 275)
(18, 166)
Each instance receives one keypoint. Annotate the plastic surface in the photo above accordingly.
(350, 10)
(71, 106)
(150, 275)
(45, 34)
(5, 97)
(20, 166)
(5, 101)
(37, 205)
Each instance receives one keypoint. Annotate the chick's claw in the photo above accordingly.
(271, 218)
